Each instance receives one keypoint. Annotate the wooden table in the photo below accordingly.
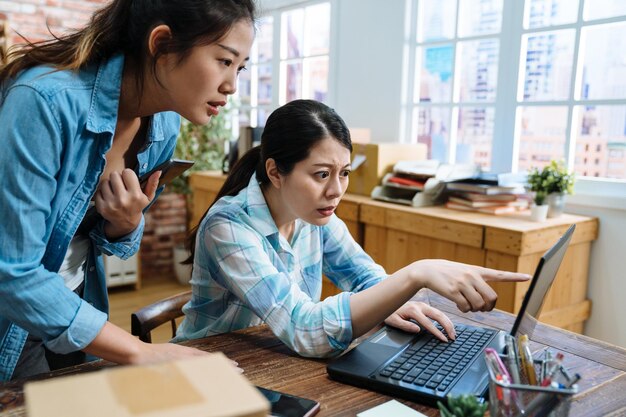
(268, 363)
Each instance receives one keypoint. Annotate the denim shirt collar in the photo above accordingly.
(106, 98)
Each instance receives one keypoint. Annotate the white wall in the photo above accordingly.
(368, 70)
(607, 270)
(366, 90)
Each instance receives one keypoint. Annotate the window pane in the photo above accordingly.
(600, 9)
(601, 141)
(244, 85)
(244, 117)
(436, 20)
(542, 131)
(291, 74)
(262, 115)
(316, 78)
(542, 13)
(604, 63)
(317, 29)
(478, 67)
(433, 129)
(435, 77)
(265, 84)
(548, 65)
(475, 136)
(292, 34)
(264, 39)
(479, 17)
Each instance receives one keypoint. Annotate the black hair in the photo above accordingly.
(289, 135)
(123, 26)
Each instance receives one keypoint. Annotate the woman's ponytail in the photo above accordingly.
(237, 180)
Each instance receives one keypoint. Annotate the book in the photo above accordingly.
(487, 210)
(477, 204)
(483, 187)
(473, 196)
(519, 203)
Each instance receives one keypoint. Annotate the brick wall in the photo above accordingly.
(166, 226)
(29, 17)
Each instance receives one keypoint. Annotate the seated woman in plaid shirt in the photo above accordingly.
(262, 247)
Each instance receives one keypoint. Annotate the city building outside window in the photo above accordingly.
(290, 60)
(514, 84)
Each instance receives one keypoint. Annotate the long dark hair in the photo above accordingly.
(289, 134)
(123, 26)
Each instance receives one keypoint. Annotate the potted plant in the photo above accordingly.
(207, 146)
(462, 406)
(550, 184)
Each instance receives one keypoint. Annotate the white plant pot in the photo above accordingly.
(182, 272)
(539, 213)
(556, 204)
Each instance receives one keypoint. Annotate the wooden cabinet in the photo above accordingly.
(395, 236)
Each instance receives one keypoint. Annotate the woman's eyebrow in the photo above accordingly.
(231, 50)
(321, 164)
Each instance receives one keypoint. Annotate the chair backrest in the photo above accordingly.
(144, 320)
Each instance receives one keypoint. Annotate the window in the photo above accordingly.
(289, 60)
(551, 85)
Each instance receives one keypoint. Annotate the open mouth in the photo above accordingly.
(326, 211)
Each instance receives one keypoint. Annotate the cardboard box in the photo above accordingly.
(207, 386)
(377, 159)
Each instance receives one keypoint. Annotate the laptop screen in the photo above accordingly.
(540, 284)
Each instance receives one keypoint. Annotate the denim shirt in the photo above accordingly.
(56, 127)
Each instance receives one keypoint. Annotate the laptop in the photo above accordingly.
(421, 368)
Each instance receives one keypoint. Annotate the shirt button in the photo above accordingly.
(144, 166)
(91, 268)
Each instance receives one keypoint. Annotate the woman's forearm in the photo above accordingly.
(373, 305)
(115, 345)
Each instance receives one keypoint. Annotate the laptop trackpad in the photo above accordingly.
(392, 337)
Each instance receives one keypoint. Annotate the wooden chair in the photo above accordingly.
(146, 319)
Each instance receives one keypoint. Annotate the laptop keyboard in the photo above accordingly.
(436, 364)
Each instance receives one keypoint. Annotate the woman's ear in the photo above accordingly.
(272, 172)
(159, 39)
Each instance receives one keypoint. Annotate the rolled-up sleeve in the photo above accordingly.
(123, 247)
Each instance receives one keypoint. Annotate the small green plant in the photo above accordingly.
(462, 406)
(204, 144)
(553, 178)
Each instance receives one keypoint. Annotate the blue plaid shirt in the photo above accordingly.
(246, 273)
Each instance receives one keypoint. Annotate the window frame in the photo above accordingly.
(276, 62)
(601, 192)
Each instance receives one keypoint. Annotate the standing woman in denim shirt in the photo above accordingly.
(82, 116)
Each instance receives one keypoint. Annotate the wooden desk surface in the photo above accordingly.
(268, 363)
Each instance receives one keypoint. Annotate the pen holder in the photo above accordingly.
(522, 400)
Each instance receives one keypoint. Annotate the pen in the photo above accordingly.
(573, 381)
(527, 359)
(547, 380)
(512, 358)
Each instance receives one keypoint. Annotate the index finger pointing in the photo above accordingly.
(489, 274)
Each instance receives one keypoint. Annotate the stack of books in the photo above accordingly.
(406, 182)
(486, 196)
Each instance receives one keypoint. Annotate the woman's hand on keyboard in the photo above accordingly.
(414, 316)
